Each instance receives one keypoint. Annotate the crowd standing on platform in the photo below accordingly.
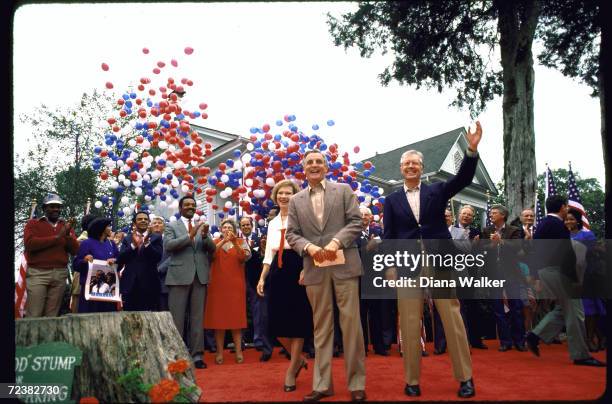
(270, 286)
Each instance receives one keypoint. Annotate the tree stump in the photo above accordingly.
(110, 342)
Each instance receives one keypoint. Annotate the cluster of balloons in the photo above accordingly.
(150, 151)
(151, 157)
(274, 153)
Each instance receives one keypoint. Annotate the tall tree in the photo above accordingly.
(451, 44)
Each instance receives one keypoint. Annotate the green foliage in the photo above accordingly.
(450, 44)
(571, 33)
(133, 384)
(591, 193)
(60, 158)
(436, 44)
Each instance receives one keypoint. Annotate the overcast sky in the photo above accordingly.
(254, 63)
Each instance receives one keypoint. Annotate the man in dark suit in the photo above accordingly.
(555, 275)
(259, 304)
(376, 312)
(417, 212)
(511, 325)
(139, 255)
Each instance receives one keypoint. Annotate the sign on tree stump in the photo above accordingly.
(110, 343)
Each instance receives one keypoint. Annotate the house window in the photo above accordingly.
(458, 158)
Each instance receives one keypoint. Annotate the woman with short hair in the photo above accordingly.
(226, 301)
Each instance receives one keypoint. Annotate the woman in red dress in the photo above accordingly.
(226, 301)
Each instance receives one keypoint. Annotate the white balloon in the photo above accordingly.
(270, 182)
(146, 145)
(174, 204)
(127, 210)
(120, 163)
(228, 190)
(157, 189)
(250, 146)
(381, 191)
(174, 183)
(238, 165)
(124, 200)
(248, 182)
(196, 217)
(132, 142)
(217, 234)
(172, 148)
(146, 177)
(126, 182)
(261, 222)
(246, 158)
(156, 174)
(185, 189)
(228, 204)
(162, 204)
(133, 155)
(179, 164)
(138, 191)
(376, 218)
(121, 177)
(163, 145)
(271, 147)
(98, 204)
(147, 198)
(114, 185)
(225, 178)
(172, 218)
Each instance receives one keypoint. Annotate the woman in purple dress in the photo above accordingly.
(594, 308)
(97, 246)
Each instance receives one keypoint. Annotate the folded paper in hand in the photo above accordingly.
(328, 263)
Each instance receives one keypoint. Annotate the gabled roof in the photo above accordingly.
(434, 149)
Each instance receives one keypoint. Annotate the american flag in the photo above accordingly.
(488, 222)
(574, 199)
(539, 212)
(21, 294)
(550, 183)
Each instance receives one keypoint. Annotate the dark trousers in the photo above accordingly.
(377, 314)
(139, 300)
(511, 325)
(259, 313)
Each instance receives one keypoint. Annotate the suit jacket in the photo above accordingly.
(140, 264)
(506, 253)
(554, 254)
(253, 265)
(162, 271)
(400, 223)
(187, 258)
(344, 224)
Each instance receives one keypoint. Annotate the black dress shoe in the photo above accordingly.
(315, 396)
(480, 345)
(532, 341)
(505, 348)
(265, 357)
(520, 348)
(466, 389)
(424, 353)
(412, 391)
(382, 353)
(311, 355)
(199, 364)
(589, 362)
(358, 396)
(439, 351)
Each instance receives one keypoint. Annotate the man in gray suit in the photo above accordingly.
(190, 248)
(324, 219)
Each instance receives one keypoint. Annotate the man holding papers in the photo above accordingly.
(323, 225)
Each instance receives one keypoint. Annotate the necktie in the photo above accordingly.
(190, 228)
(281, 249)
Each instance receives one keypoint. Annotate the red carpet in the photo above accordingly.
(508, 375)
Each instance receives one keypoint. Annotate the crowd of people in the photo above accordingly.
(298, 280)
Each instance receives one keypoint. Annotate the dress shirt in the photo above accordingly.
(413, 195)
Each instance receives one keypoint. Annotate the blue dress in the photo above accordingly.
(591, 306)
(100, 250)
